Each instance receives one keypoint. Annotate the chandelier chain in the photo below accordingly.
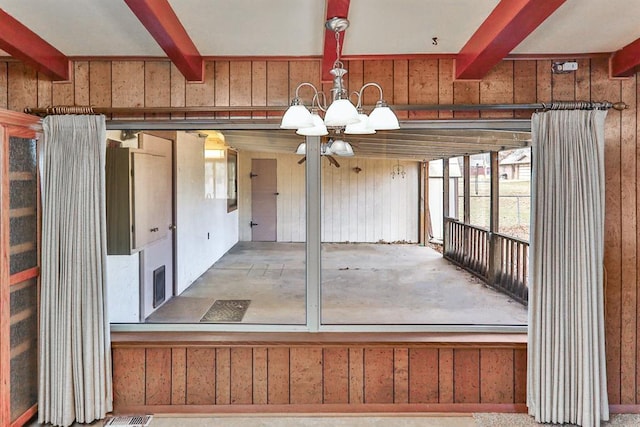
(337, 34)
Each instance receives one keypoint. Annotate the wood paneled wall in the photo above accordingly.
(317, 377)
(157, 83)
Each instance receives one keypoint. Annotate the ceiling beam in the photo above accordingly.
(625, 62)
(508, 24)
(162, 23)
(335, 9)
(22, 43)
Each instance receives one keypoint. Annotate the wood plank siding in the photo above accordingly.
(345, 375)
(365, 206)
(318, 376)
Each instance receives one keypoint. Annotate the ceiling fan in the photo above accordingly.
(329, 157)
(327, 149)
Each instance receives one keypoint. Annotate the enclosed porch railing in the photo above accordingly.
(501, 261)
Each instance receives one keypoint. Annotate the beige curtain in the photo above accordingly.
(75, 361)
(566, 358)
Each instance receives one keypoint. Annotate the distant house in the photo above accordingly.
(516, 165)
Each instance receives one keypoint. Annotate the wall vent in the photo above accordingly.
(158, 286)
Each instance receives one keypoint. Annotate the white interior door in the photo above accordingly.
(157, 259)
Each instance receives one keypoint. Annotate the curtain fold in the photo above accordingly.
(75, 351)
(566, 372)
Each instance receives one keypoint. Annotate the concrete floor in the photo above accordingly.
(361, 284)
(361, 420)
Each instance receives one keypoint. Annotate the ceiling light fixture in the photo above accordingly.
(338, 147)
(340, 114)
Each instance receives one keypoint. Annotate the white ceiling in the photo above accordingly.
(586, 26)
(295, 27)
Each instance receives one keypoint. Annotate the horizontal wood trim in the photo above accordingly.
(354, 57)
(306, 339)
(20, 212)
(21, 248)
(24, 275)
(21, 348)
(461, 408)
(25, 417)
(19, 286)
(18, 119)
(21, 315)
(624, 409)
(21, 176)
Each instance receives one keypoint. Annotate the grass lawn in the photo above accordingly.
(514, 208)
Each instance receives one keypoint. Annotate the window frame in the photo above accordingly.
(313, 232)
(232, 180)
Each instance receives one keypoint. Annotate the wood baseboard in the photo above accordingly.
(381, 408)
(624, 409)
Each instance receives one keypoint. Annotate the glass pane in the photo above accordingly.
(233, 265)
(23, 338)
(22, 204)
(515, 192)
(22, 155)
(456, 188)
(435, 204)
(375, 272)
(22, 193)
(480, 200)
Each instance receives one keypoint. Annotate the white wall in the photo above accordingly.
(196, 251)
(368, 206)
(123, 272)
(205, 231)
(123, 294)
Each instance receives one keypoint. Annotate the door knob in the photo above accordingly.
(252, 224)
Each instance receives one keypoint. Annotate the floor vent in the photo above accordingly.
(130, 420)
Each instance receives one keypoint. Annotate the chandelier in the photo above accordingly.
(340, 115)
(339, 147)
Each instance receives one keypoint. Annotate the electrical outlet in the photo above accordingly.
(564, 67)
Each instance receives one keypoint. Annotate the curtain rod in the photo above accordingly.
(556, 105)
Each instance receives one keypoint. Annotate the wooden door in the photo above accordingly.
(156, 192)
(264, 200)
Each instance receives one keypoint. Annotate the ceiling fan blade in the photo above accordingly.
(333, 161)
(302, 160)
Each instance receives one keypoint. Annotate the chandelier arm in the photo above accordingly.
(322, 106)
(305, 84)
(317, 96)
(359, 103)
(366, 85)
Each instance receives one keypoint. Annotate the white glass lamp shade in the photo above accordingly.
(341, 148)
(297, 116)
(348, 151)
(382, 118)
(363, 127)
(302, 149)
(337, 146)
(340, 113)
(318, 128)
